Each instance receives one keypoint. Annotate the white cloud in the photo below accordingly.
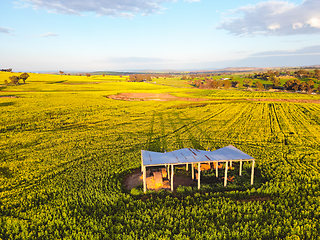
(274, 26)
(119, 8)
(297, 25)
(6, 30)
(192, 1)
(275, 18)
(314, 22)
(49, 35)
(21, 5)
(311, 50)
(134, 60)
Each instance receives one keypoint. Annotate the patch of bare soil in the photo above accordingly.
(151, 97)
(133, 180)
(269, 100)
(169, 97)
(8, 96)
(286, 100)
(183, 181)
(80, 83)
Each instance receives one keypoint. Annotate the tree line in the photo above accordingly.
(139, 77)
(272, 76)
(6, 70)
(14, 80)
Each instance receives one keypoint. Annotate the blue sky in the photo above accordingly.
(90, 35)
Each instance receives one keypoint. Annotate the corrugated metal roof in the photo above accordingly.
(190, 155)
(226, 153)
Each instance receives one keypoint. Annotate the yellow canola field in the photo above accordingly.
(65, 149)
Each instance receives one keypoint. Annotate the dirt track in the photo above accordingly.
(8, 96)
(168, 97)
(151, 97)
(270, 100)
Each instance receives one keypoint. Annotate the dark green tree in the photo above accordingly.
(317, 73)
(303, 86)
(259, 85)
(24, 77)
(220, 84)
(296, 87)
(14, 80)
(235, 84)
(311, 83)
(226, 84)
(275, 81)
(247, 82)
(214, 84)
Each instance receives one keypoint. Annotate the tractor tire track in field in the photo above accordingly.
(195, 143)
(310, 125)
(196, 124)
(277, 134)
(202, 133)
(296, 116)
(150, 143)
(34, 183)
(175, 132)
(163, 133)
(306, 162)
(203, 120)
(153, 143)
(186, 127)
(75, 166)
(231, 122)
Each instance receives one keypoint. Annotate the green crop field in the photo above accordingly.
(65, 149)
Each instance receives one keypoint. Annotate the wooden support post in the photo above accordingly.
(240, 171)
(187, 167)
(230, 163)
(226, 175)
(168, 172)
(141, 163)
(252, 172)
(199, 170)
(171, 177)
(217, 175)
(144, 179)
(192, 171)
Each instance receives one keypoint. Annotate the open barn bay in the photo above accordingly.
(65, 149)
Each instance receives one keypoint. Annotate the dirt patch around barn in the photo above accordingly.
(151, 97)
(134, 179)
